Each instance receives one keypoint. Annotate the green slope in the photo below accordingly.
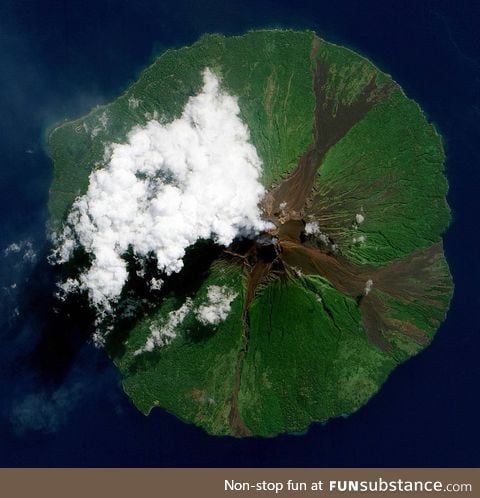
(309, 346)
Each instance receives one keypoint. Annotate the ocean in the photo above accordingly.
(61, 403)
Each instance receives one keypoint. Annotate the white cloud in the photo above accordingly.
(133, 103)
(217, 307)
(359, 239)
(25, 247)
(214, 311)
(359, 218)
(156, 283)
(368, 286)
(161, 336)
(66, 287)
(167, 187)
(312, 228)
(45, 411)
(103, 120)
(13, 248)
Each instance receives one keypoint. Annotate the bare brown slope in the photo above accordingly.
(283, 250)
(331, 122)
(415, 279)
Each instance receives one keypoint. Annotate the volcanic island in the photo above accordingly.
(348, 278)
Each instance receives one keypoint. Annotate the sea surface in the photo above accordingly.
(61, 403)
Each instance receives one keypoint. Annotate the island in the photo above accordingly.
(334, 273)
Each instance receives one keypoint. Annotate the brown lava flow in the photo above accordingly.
(286, 250)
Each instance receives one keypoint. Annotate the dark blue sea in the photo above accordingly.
(61, 403)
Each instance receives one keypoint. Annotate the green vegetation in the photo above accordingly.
(308, 358)
(271, 75)
(389, 179)
(306, 348)
(193, 377)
